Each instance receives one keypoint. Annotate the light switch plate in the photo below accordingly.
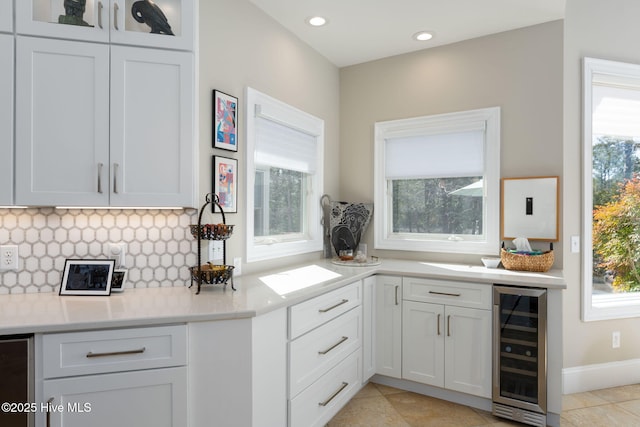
(575, 244)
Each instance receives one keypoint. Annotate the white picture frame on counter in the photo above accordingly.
(119, 279)
(87, 277)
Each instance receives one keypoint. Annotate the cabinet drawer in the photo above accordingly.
(462, 294)
(317, 404)
(92, 352)
(313, 354)
(309, 314)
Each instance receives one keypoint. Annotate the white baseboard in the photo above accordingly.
(599, 376)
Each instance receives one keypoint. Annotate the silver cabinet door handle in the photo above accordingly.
(449, 325)
(396, 293)
(100, 165)
(438, 321)
(116, 8)
(49, 402)
(324, 310)
(337, 392)
(116, 353)
(115, 178)
(343, 339)
(100, 14)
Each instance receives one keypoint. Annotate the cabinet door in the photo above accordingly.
(152, 115)
(468, 351)
(368, 328)
(6, 119)
(155, 397)
(177, 32)
(49, 18)
(62, 123)
(423, 343)
(389, 326)
(6, 15)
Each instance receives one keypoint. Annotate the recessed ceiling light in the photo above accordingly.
(316, 21)
(422, 36)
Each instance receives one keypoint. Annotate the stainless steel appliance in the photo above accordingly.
(16, 381)
(520, 354)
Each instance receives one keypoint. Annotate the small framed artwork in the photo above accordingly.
(87, 277)
(225, 183)
(530, 208)
(225, 121)
(119, 279)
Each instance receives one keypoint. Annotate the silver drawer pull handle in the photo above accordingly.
(116, 353)
(326, 402)
(343, 339)
(324, 310)
(444, 293)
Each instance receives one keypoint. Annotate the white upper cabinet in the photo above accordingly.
(88, 138)
(161, 23)
(152, 150)
(6, 119)
(62, 123)
(6, 16)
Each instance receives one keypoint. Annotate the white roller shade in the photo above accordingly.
(455, 154)
(282, 146)
(616, 110)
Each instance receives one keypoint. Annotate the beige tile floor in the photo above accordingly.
(380, 406)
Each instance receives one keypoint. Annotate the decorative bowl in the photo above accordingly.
(491, 262)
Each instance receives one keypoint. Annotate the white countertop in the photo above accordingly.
(255, 295)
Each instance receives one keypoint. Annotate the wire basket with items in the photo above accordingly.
(209, 273)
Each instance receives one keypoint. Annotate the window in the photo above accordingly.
(437, 181)
(285, 149)
(611, 183)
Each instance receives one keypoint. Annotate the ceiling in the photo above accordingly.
(364, 30)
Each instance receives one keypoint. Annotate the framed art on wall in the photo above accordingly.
(87, 277)
(225, 183)
(225, 121)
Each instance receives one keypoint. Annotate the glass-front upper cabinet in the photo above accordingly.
(6, 16)
(160, 23)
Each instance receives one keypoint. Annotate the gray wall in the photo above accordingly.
(519, 71)
(241, 46)
(607, 30)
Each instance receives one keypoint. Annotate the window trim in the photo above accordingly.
(600, 307)
(266, 107)
(383, 238)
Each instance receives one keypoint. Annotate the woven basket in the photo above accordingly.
(539, 263)
(212, 274)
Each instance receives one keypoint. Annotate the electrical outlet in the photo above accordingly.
(237, 266)
(216, 251)
(117, 251)
(8, 257)
(615, 339)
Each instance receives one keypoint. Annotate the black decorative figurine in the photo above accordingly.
(73, 9)
(147, 12)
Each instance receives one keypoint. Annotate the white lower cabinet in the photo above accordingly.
(388, 325)
(124, 377)
(325, 355)
(154, 398)
(447, 345)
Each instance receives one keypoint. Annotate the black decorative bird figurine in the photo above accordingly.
(147, 12)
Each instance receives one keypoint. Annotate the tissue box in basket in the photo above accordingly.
(519, 262)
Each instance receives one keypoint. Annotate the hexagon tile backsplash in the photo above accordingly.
(160, 248)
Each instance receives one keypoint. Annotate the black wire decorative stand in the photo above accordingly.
(212, 274)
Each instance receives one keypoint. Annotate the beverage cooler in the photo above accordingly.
(520, 354)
